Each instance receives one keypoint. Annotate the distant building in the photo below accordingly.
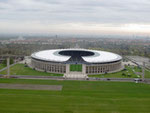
(20, 38)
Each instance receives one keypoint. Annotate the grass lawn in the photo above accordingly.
(2, 66)
(76, 97)
(147, 73)
(20, 69)
(129, 71)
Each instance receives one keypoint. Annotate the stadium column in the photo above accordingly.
(83, 68)
(67, 68)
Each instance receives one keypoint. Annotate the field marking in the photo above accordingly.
(31, 86)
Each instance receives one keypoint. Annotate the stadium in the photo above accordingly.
(76, 63)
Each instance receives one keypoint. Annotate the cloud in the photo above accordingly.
(85, 12)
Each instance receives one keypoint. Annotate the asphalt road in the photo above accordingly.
(88, 79)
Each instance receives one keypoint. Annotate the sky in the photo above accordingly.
(75, 16)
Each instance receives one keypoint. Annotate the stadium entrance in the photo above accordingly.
(75, 71)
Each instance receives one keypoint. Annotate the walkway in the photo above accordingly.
(75, 75)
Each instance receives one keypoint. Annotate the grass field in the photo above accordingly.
(20, 69)
(76, 97)
(128, 73)
(147, 73)
(2, 66)
(76, 67)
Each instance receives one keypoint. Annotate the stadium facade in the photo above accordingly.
(73, 62)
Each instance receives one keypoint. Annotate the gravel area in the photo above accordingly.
(31, 87)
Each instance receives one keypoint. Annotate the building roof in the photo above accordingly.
(97, 57)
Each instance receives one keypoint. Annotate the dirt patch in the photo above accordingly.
(31, 87)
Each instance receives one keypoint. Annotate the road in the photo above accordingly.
(88, 79)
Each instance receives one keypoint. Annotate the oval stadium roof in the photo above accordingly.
(98, 57)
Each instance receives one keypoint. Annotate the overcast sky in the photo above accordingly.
(75, 16)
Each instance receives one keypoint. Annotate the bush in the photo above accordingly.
(129, 75)
(123, 74)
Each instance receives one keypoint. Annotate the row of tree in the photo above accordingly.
(122, 48)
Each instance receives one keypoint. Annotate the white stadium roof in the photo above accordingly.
(98, 57)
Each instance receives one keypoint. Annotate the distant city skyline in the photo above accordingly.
(75, 16)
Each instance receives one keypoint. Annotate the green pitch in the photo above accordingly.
(76, 97)
(76, 67)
